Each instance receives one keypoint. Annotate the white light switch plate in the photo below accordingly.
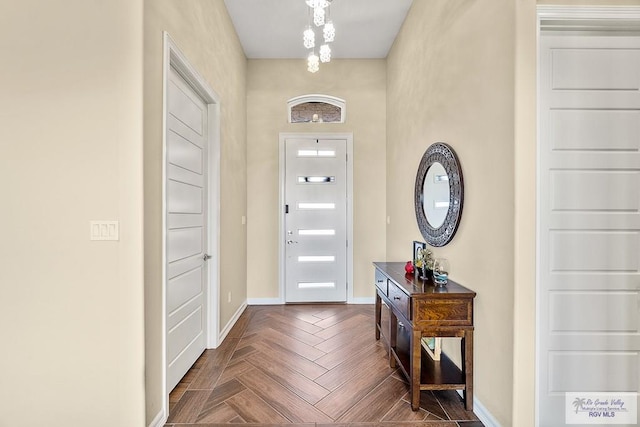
(105, 230)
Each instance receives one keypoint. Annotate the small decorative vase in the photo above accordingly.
(408, 267)
(440, 271)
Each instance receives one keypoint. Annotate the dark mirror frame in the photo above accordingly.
(440, 153)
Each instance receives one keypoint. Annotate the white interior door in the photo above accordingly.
(316, 222)
(186, 234)
(589, 219)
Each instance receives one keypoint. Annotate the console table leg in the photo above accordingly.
(378, 315)
(393, 337)
(467, 357)
(415, 367)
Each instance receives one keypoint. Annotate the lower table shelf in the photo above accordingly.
(434, 375)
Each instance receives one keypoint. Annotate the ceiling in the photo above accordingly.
(273, 28)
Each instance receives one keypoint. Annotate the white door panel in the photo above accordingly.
(590, 250)
(597, 159)
(186, 234)
(179, 128)
(579, 99)
(589, 219)
(184, 198)
(593, 280)
(177, 320)
(183, 176)
(589, 190)
(594, 130)
(184, 288)
(184, 107)
(183, 153)
(573, 221)
(316, 225)
(573, 311)
(583, 371)
(185, 265)
(595, 69)
(184, 242)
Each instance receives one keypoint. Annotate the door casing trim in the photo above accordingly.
(281, 223)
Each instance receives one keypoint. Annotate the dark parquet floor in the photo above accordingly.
(306, 365)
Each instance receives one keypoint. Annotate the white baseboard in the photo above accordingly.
(264, 301)
(362, 300)
(224, 332)
(159, 419)
(482, 413)
(278, 301)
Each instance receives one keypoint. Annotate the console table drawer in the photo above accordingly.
(399, 299)
(381, 282)
(443, 312)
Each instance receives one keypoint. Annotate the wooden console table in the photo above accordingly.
(419, 309)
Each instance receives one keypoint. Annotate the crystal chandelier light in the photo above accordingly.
(309, 38)
(319, 14)
(325, 53)
(313, 4)
(329, 32)
(313, 63)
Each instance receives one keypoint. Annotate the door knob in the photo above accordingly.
(207, 257)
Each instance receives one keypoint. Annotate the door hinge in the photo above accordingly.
(286, 209)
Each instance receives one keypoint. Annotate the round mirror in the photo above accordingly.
(438, 194)
(435, 195)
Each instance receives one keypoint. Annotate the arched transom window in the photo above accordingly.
(316, 109)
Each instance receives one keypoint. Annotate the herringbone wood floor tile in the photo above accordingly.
(370, 358)
(253, 409)
(375, 405)
(402, 412)
(310, 365)
(309, 390)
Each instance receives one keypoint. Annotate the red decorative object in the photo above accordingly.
(408, 267)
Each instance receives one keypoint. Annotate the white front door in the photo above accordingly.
(589, 219)
(186, 234)
(316, 220)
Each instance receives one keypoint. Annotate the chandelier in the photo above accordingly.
(319, 17)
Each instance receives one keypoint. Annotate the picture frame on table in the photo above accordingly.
(417, 246)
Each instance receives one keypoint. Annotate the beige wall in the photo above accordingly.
(71, 320)
(451, 79)
(524, 304)
(270, 84)
(203, 31)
